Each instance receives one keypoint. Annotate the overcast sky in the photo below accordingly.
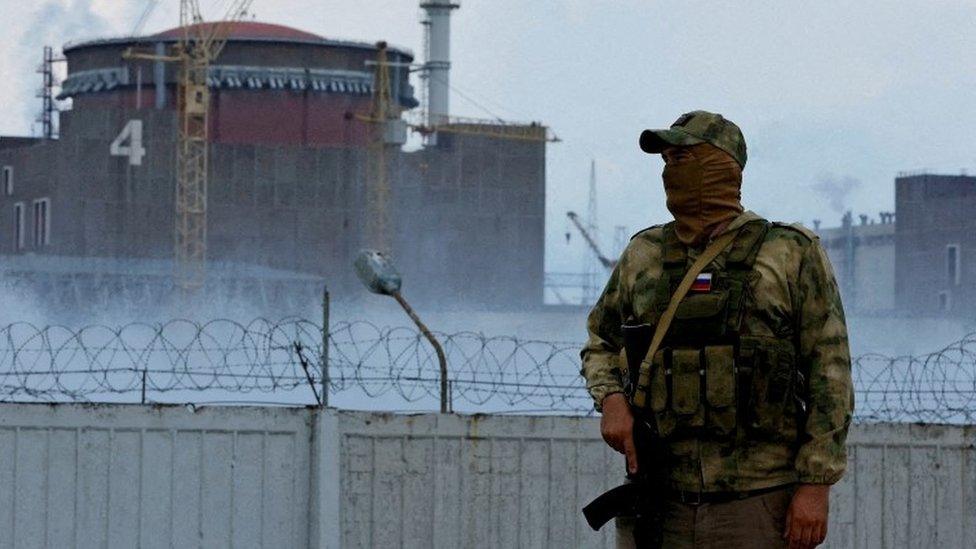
(834, 97)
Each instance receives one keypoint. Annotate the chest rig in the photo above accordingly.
(708, 377)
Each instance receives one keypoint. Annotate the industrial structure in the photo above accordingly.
(863, 257)
(301, 135)
(919, 259)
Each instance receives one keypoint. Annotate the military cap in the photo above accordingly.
(697, 127)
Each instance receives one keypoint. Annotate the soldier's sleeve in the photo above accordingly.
(601, 354)
(826, 360)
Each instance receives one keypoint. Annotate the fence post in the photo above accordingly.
(450, 396)
(325, 526)
(144, 385)
(324, 358)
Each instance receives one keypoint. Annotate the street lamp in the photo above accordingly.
(378, 274)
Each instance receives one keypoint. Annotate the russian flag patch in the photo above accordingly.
(702, 283)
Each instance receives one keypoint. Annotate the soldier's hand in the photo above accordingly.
(806, 519)
(617, 428)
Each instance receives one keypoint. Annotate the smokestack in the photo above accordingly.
(438, 63)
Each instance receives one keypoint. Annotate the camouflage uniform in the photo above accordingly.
(791, 300)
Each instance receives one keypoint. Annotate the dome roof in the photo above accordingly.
(237, 31)
(244, 30)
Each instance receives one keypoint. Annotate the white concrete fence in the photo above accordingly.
(174, 476)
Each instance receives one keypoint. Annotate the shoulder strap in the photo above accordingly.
(797, 227)
(644, 230)
(745, 247)
(711, 252)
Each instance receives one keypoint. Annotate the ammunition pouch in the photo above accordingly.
(717, 389)
(693, 390)
(775, 386)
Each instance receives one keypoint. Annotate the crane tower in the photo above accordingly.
(196, 50)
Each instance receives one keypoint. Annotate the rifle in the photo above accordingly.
(643, 496)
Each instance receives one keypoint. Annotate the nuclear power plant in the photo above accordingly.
(261, 173)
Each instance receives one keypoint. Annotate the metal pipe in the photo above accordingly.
(159, 76)
(441, 358)
(324, 356)
(850, 275)
(138, 87)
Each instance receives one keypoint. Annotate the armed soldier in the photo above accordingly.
(744, 373)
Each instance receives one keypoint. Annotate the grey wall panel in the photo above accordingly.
(129, 476)
(520, 482)
(906, 486)
(472, 481)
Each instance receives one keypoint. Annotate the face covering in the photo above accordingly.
(703, 191)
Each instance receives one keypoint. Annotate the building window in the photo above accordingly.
(19, 226)
(7, 180)
(944, 302)
(42, 222)
(953, 266)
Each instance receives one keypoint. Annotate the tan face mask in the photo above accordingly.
(703, 191)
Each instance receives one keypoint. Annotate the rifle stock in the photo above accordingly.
(615, 502)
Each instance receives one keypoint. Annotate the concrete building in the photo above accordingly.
(935, 255)
(287, 176)
(863, 257)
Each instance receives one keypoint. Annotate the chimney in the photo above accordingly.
(438, 62)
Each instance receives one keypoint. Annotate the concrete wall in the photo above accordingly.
(471, 481)
(907, 486)
(97, 476)
(130, 476)
(525, 479)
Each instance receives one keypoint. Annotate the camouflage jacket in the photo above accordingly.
(795, 298)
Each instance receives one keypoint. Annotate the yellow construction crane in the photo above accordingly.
(388, 132)
(198, 46)
(497, 129)
(197, 49)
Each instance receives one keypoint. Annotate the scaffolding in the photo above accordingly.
(48, 116)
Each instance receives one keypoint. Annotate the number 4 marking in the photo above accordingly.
(132, 132)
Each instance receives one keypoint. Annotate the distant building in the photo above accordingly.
(935, 250)
(863, 257)
(288, 159)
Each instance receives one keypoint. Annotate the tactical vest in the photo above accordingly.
(708, 378)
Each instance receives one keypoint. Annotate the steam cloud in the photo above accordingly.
(836, 190)
(52, 23)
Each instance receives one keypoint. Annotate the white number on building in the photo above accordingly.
(129, 143)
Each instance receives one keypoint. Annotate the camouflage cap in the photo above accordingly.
(697, 127)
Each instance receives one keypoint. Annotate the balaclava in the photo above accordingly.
(703, 190)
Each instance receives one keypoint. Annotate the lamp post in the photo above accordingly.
(378, 274)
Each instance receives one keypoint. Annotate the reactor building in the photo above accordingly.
(89, 214)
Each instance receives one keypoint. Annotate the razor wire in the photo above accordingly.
(282, 362)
